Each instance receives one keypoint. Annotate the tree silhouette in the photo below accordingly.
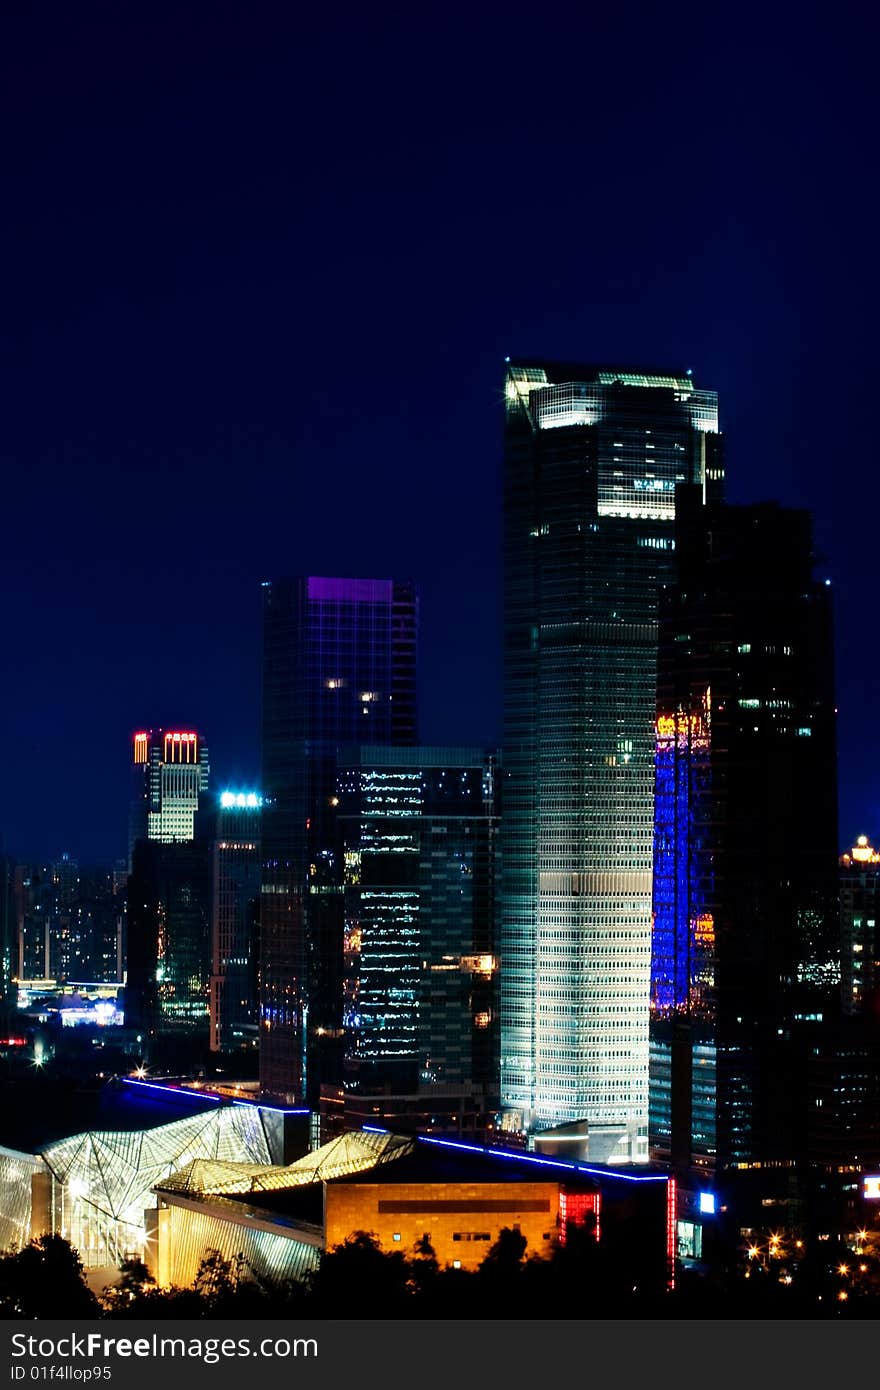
(359, 1278)
(45, 1279)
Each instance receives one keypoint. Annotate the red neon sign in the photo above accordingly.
(671, 1233)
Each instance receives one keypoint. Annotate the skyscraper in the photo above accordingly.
(592, 459)
(232, 829)
(339, 667)
(745, 965)
(168, 929)
(170, 773)
(169, 936)
(860, 932)
(418, 830)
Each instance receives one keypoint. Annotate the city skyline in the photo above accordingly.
(437, 860)
(303, 353)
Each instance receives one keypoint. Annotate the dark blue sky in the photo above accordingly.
(260, 272)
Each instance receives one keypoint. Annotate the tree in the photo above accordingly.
(133, 1282)
(45, 1279)
(358, 1278)
(424, 1269)
(217, 1279)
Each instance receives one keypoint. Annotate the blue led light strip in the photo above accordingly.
(274, 1109)
(170, 1090)
(568, 1165)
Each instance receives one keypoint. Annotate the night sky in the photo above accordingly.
(261, 268)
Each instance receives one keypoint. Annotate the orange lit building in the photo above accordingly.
(402, 1189)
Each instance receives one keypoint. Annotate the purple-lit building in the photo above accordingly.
(339, 667)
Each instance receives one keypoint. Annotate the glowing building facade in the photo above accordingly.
(171, 772)
(339, 667)
(745, 964)
(592, 460)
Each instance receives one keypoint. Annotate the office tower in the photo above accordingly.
(417, 832)
(745, 964)
(339, 666)
(849, 1116)
(592, 459)
(232, 830)
(170, 774)
(169, 936)
(168, 914)
(859, 932)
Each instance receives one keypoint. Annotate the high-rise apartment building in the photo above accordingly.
(339, 667)
(69, 922)
(418, 832)
(171, 772)
(746, 964)
(232, 829)
(592, 459)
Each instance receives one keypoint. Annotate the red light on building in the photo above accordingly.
(671, 1232)
(141, 747)
(574, 1210)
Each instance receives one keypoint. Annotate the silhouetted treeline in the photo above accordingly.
(580, 1280)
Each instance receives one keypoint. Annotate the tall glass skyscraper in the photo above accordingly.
(592, 459)
(232, 829)
(746, 954)
(418, 831)
(339, 667)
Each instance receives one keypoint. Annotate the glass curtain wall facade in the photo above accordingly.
(592, 460)
(233, 831)
(745, 967)
(169, 937)
(418, 832)
(339, 667)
